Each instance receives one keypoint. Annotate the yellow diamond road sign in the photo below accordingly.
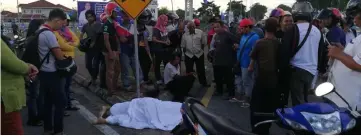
(133, 7)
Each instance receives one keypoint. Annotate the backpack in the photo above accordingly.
(31, 53)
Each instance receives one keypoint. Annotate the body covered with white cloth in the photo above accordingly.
(144, 113)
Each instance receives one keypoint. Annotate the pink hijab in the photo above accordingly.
(160, 23)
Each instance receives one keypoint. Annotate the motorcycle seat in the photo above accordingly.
(214, 124)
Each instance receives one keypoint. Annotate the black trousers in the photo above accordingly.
(145, 63)
(224, 75)
(95, 63)
(180, 87)
(264, 100)
(189, 62)
(301, 81)
(160, 56)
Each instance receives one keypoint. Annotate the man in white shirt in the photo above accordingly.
(178, 85)
(346, 71)
(193, 42)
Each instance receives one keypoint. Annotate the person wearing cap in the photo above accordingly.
(68, 41)
(257, 29)
(285, 23)
(197, 22)
(245, 79)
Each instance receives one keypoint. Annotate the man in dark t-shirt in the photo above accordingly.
(111, 53)
(264, 94)
(94, 57)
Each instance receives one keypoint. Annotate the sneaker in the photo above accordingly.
(36, 123)
(129, 88)
(159, 82)
(72, 108)
(234, 99)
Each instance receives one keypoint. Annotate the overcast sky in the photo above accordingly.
(11, 4)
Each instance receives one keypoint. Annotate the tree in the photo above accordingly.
(238, 8)
(257, 11)
(285, 7)
(73, 14)
(163, 10)
(181, 13)
(208, 10)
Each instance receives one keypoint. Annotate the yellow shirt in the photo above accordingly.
(68, 48)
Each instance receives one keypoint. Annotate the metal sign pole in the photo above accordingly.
(136, 56)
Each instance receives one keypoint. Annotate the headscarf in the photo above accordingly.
(66, 33)
(160, 23)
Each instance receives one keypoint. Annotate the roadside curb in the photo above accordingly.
(101, 93)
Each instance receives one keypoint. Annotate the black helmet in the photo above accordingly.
(302, 10)
(172, 15)
(353, 6)
(145, 17)
(333, 13)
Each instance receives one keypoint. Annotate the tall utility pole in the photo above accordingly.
(188, 10)
(17, 6)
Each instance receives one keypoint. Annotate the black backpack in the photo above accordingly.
(31, 53)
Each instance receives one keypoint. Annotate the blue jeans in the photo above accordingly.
(34, 102)
(128, 62)
(245, 83)
(52, 85)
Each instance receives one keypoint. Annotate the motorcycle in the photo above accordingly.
(198, 120)
(316, 118)
(18, 46)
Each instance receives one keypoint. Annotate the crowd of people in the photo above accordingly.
(262, 65)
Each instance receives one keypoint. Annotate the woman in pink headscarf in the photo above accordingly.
(160, 45)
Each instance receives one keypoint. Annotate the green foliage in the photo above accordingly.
(322, 4)
(237, 8)
(181, 13)
(163, 10)
(207, 11)
(257, 11)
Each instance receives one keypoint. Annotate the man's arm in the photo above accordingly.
(347, 60)
(52, 43)
(106, 37)
(82, 32)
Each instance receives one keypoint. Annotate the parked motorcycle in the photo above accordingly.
(317, 118)
(198, 120)
(18, 46)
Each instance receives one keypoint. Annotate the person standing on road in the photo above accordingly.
(350, 33)
(193, 43)
(111, 51)
(331, 17)
(93, 57)
(51, 82)
(161, 42)
(265, 91)
(224, 59)
(175, 37)
(245, 80)
(197, 22)
(35, 98)
(127, 57)
(68, 41)
(13, 95)
(285, 22)
(299, 55)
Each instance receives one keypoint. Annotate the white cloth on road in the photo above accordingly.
(144, 113)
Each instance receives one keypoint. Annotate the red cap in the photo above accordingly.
(197, 22)
(245, 22)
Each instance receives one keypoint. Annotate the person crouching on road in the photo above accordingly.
(264, 93)
(68, 41)
(111, 50)
(178, 85)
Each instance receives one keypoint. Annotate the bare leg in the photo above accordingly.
(100, 119)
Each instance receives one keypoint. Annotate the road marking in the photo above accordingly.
(208, 96)
(105, 129)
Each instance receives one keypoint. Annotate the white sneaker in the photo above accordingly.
(159, 82)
